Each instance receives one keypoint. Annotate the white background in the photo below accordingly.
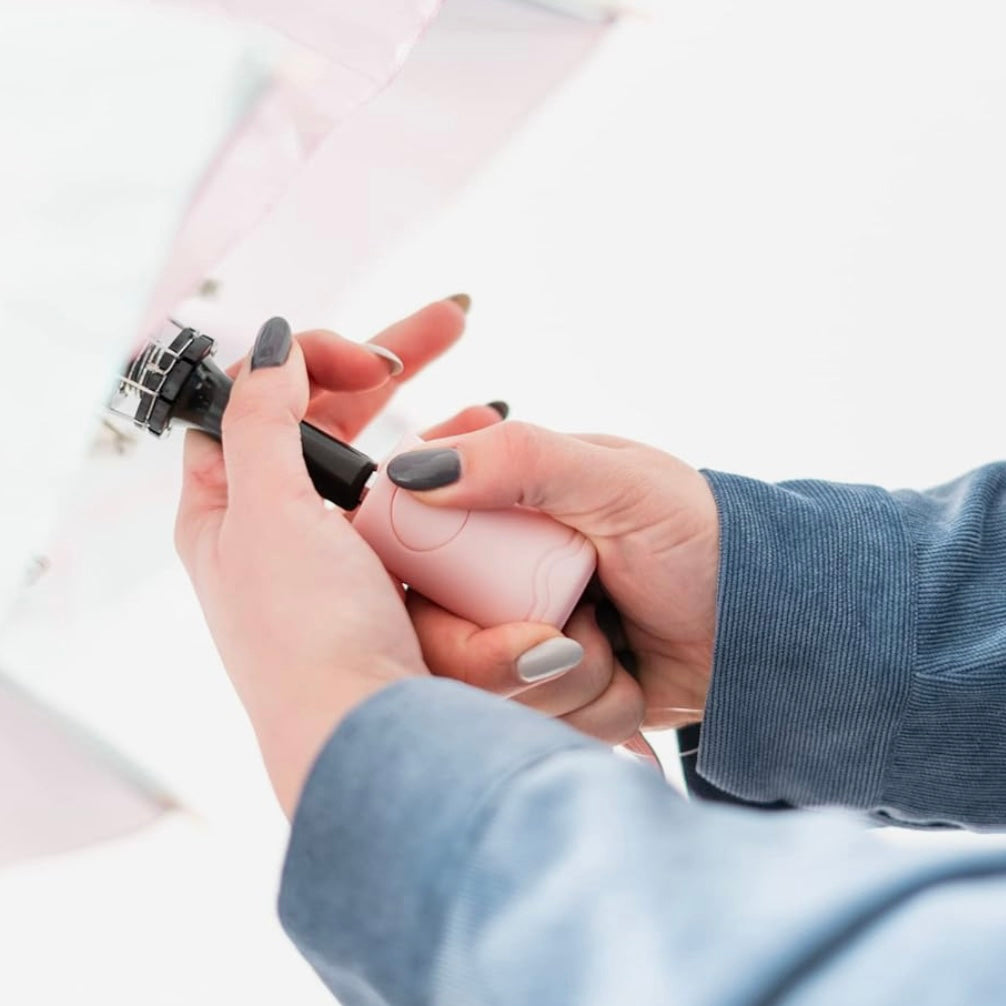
(767, 237)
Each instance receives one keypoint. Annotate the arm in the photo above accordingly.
(861, 648)
(453, 848)
(845, 645)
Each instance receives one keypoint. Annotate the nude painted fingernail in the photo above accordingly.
(549, 659)
(395, 365)
(463, 301)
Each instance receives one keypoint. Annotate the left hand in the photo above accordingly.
(307, 621)
(645, 632)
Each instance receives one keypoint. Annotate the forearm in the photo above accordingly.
(452, 848)
(861, 655)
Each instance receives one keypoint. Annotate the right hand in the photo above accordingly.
(653, 521)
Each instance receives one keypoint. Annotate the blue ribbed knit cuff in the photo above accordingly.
(384, 826)
(946, 766)
(814, 643)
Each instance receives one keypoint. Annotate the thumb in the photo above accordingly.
(503, 659)
(263, 454)
(569, 477)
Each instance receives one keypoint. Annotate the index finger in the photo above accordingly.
(417, 341)
(337, 364)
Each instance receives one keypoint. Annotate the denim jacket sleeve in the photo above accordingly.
(861, 649)
(454, 849)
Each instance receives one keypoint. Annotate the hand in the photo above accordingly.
(306, 620)
(653, 521)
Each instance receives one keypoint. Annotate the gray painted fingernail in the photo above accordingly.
(501, 407)
(425, 469)
(549, 659)
(395, 365)
(272, 344)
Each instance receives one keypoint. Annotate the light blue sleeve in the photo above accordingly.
(453, 849)
(861, 649)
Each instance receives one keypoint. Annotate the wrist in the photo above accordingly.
(292, 728)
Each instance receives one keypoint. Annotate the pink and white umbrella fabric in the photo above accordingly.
(348, 51)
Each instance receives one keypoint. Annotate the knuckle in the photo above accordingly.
(518, 440)
(242, 411)
(447, 653)
(489, 665)
(619, 713)
(595, 674)
(521, 447)
(503, 655)
(591, 678)
(207, 474)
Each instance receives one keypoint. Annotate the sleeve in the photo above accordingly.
(860, 654)
(451, 848)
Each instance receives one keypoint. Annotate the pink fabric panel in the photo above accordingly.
(356, 48)
(61, 791)
(364, 36)
(480, 70)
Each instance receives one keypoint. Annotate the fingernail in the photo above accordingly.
(425, 469)
(463, 301)
(272, 344)
(395, 365)
(549, 659)
(501, 407)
